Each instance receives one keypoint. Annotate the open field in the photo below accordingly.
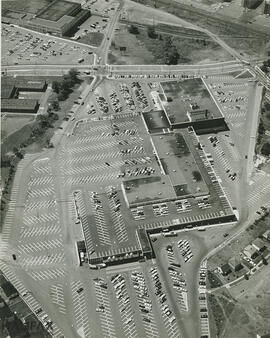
(253, 41)
(10, 124)
(92, 38)
(243, 311)
(141, 49)
(32, 6)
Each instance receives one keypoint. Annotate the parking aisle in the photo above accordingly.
(124, 304)
(166, 312)
(57, 295)
(145, 304)
(104, 308)
(80, 310)
(30, 300)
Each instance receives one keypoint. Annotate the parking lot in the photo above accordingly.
(40, 249)
(92, 30)
(21, 46)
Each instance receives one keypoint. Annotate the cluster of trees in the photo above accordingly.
(44, 122)
(265, 149)
(133, 30)
(152, 33)
(197, 175)
(266, 66)
(167, 51)
(261, 131)
(171, 55)
(64, 87)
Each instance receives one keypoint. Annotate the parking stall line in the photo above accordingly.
(80, 309)
(104, 308)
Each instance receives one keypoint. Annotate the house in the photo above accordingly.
(235, 263)
(259, 244)
(250, 251)
(266, 235)
(225, 269)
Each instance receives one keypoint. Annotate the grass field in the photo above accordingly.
(29, 6)
(251, 43)
(140, 49)
(93, 38)
(242, 311)
(10, 124)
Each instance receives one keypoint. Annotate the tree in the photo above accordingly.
(197, 176)
(73, 74)
(55, 87)
(266, 149)
(55, 105)
(5, 161)
(171, 55)
(151, 32)
(133, 30)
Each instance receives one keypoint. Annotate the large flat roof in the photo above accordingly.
(182, 97)
(18, 104)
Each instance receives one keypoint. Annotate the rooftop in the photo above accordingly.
(182, 97)
(17, 104)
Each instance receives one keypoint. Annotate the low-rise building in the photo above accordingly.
(19, 106)
(57, 17)
(259, 244)
(235, 263)
(225, 269)
(266, 235)
(250, 251)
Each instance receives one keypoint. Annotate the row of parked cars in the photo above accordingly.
(161, 295)
(117, 107)
(185, 250)
(160, 209)
(103, 104)
(127, 96)
(140, 96)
